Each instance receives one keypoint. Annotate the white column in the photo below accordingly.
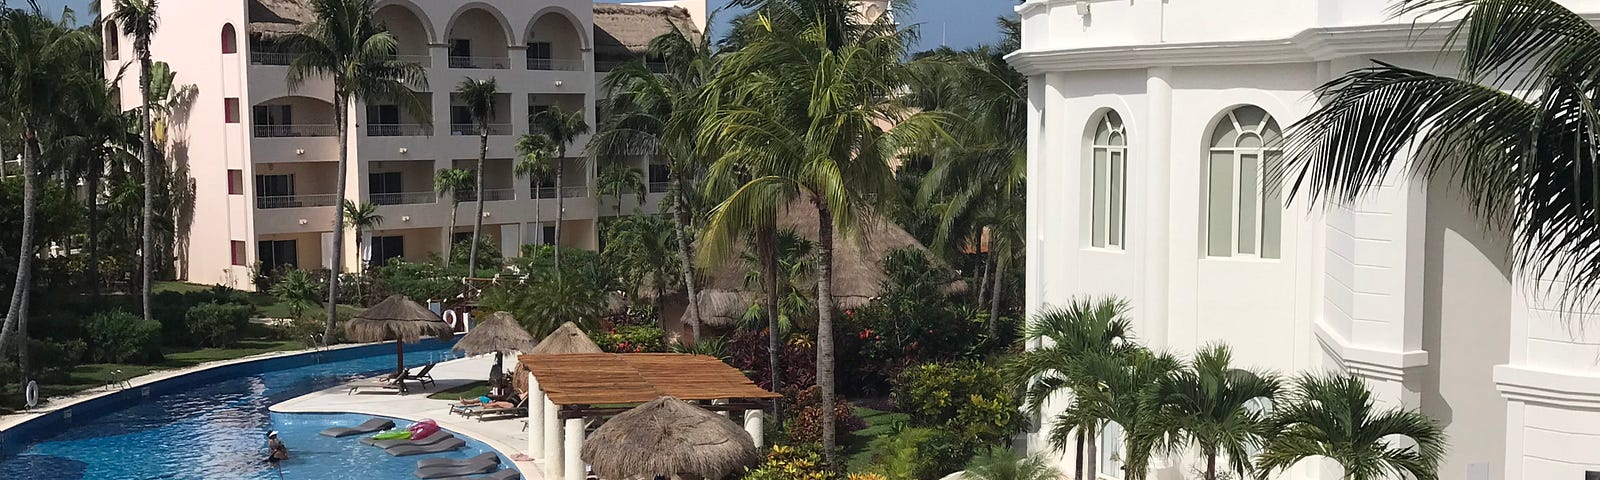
(753, 425)
(1158, 222)
(536, 401)
(724, 413)
(573, 450)
(552, 440)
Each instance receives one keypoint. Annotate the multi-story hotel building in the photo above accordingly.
(262, 157)
(1150, 125)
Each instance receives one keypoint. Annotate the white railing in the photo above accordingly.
(272, 58)
(276, 131)
(659, 187)
(404, 198)
(555, 64)
(489, 195)
(396, 130)
(295, 201)
(460, 129)
(423, 60)
(491, 63)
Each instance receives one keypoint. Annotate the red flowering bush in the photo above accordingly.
(806, 426)
(747, 351)
(632, 339)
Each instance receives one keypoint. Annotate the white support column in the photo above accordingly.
(574, 448)
(1158, 223)
(552, 440)
(724, 413)
(535, 418)
(753, 425)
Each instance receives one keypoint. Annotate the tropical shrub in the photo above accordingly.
(171, 309)
(632, 339)
(296, 290)
(1003, 464)
(790, 463)
(967, 398)
(218, 325)
(119, 337)
(489, 259)
(417, 281)
(747, 351)
(577, 265)
(545, 301)
(806, 426)
(919, 453)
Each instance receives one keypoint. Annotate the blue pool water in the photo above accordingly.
(213, 425)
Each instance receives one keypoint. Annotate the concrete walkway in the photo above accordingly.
(505, 435)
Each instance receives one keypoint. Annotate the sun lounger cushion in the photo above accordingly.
(505, 474)
(446, 462)
(428, 440)
(409, 450)
(456, 470)
(369, 426)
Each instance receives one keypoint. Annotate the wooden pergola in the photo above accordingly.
(568, 389)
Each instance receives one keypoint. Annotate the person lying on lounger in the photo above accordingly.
(495, 395)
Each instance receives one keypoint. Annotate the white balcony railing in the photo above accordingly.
(490, 63)
(555, 64)
(277, 131)
(460, 129)
(396, 130)
(403, 198)
(423, 60)
(489, 195)
(295, 201)
(272, 58)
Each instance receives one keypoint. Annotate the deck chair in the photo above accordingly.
(423, 377)
(521, 408)
(428, 440)
(369, 426)
(448, 444)
(398, 386)
(446, 462)
(467, 467)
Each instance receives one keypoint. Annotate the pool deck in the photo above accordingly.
(505, 435)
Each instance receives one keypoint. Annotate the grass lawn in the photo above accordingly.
(470, 390)
(95, 375)
(858, 448)
(266, 305)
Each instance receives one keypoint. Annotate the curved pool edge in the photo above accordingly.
(522, 468)
(20, 429)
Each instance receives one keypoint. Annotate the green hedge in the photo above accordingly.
(217, 324)
(121, 337)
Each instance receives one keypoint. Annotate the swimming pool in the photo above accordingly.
(213, 425)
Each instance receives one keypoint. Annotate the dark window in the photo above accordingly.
(235, 182)
(539, 56)
(658, 178)
(383, 114)
(238, 252)
(275, 191)
(385, 248)
(277, 255)
(386, 187)
(535, 110)
(230, 110)
(230, 41)
(461, 237)
(460, 47)
(272, 115)
(548, 235)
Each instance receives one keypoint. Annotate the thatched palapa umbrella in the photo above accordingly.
(668, 437)
(567, 338)
(400, 319)
(498, 335)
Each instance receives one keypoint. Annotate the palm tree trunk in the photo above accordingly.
(1091, 455)
(561, 205)
(16, 322)
(825, 380)
(92, 272)
(1211, 466)
(341, 107)
(994, 297)
(680, 217)
(1077, 463)
(450, 237)
(983, 279)
(147, 155)
(766, 243)
(477, 221)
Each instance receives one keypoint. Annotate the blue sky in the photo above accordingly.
(957, 23)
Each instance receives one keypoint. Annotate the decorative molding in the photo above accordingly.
(1530, 385)
(1386, 365)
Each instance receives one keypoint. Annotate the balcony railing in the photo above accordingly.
(555, 64)
(276, 131)
(579, 191)
(460, 129)
(545, 193)
(403, 198)
(659, 187)
(491, 63)
(489, 195)
(423, 60)
(295, 201)
(396, 130)
(272, 58)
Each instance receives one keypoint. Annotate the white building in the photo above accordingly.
(1147, 123)
(262, 157)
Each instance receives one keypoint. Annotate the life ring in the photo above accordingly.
(32, 394)
(450, 318)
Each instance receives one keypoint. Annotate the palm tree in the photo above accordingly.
(617, 179)
(104, 135)
(364, 217)
(562, 128)
(1333, 416)
(1003, 464)
(1073, 339)
(535, 151)
(1513, 131)
(1210, 405)
(138, 19)
(451, 183)
(344, 44)
(478, 95)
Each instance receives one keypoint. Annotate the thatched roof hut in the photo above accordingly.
(567, 338)
(278, 17)
(624, 32)
(499, 334)
(400, 319)
(670, 438)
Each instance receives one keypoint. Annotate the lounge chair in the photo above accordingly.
(386, 382)
(441, 447)
(423, 377)
(521, 408)
(369, 426)
(467, 467)
(428, 440)
(503, 474)
(445, 462)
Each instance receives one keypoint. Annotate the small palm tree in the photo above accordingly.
(139, 20)
(562, 128)
(479, 98)
(1073, 335)
(1004, 464)
(296, 290)
(364, 218)
(1333, 416)
(451, 183)
(536, 152)
(1213, 406)
(617, 179)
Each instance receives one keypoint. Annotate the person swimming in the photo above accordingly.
(276, 451)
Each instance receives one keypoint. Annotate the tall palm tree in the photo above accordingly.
(1213, 406)
(344, 44)
(807, 115)
(535, 152)
(1072, 339)
(562, 128)
(103, 135)
(478, 95)
(365, 218)
(1333, 416)
(1513, 131)
(138, 20)
(618, 179)
(451, 183)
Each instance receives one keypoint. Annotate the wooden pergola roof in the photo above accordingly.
(634, 378)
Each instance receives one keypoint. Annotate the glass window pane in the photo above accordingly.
(1272, 136)
(1102, 134)
(1248, 202)
(1098, 230)
(1219, 218)
(1249, 140)
(1110, 450)
(1250, 117)
(1117, 182)
(1224, 135)
(1272, 207)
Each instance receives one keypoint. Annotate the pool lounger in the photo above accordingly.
(428, 440)
(409, 450)
(468, 467)
(369, 426)
(445, 462)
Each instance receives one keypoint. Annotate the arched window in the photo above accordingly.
(112, 40)
(1244, 210)
(1108, 174)
(230, 41)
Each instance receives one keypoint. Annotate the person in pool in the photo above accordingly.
(276, 451)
